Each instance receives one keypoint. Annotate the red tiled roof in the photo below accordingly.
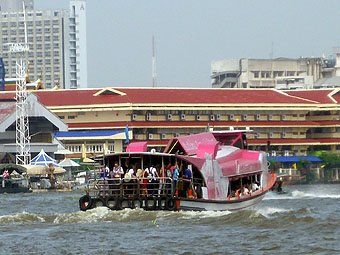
(319, 95)
(336, 97)
(7, 96)
(6, 109)
(170, 96)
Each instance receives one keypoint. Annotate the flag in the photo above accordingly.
(127, 133)
(294, 165)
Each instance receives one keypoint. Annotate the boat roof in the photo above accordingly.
(139, 153)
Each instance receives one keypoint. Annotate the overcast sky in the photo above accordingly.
(189, 34)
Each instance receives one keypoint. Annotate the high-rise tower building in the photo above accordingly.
(78, 49)
(15, 5)
(57, 41)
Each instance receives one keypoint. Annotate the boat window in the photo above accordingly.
(237, 140)
(237, 184)
(176, 148)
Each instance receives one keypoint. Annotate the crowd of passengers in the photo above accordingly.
(244, 187)
(153, 180)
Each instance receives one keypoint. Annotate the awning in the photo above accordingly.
(295, 159)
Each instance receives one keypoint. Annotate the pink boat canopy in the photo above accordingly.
(190, 144)
(137, 147)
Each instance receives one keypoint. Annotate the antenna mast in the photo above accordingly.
(23, 156)
(154, 75)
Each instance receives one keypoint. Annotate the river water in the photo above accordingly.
(304, 221)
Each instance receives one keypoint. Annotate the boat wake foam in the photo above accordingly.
(270, 211)
(300, 194)
(297, 194)
(103, 214)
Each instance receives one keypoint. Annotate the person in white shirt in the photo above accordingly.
(245, 190)
(254, 187)
(154, 176)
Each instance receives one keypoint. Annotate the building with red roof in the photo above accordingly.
(284, 122)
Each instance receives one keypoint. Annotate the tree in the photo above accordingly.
(274, 166)
(304, 167)
(331, 160)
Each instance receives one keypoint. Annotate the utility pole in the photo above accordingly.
(154, 75)
(23, 155)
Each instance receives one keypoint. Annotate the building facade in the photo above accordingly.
(78, 42)
(280, 73)
(57, 42)
(284, 122)
(15, 5)
(42, 124)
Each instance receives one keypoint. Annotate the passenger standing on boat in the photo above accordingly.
(152, 178)
(117, 171)
(145, 175)
(168, 179)
(130, 179)
(175, 179)
(187, 180)
(161, 181)
(103, 182)
(102, 173)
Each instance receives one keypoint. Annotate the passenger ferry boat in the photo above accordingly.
(225, 175)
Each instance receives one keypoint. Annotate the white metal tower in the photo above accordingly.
(154, 75)
(23, 156)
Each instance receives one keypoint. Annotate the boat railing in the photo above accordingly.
(130, 187)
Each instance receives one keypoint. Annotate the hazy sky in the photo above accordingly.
(189, 34)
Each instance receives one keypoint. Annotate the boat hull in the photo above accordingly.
(15, 190)
(211, 205)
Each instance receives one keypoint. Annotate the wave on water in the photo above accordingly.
(103, 214)
(297, 194)
(270, 211)
(23, 217)
(300, 194)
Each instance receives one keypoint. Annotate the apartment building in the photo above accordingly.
(57, 42)
(279, 73)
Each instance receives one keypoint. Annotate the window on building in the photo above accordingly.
(71, 117)
(256, 74)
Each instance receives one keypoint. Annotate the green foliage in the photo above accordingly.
(304, 167)
(331, 160)
(274, 166)
(311, 177)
